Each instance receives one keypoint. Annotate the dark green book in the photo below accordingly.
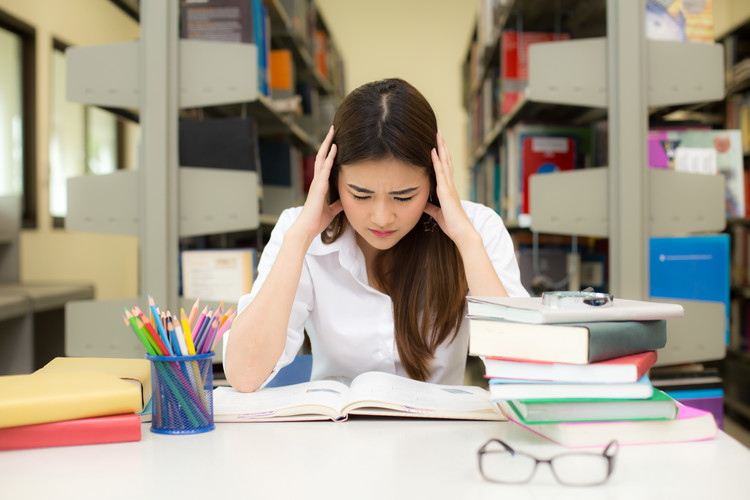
(547, 411)
(578, 343)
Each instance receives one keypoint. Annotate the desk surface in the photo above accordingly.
(361, 458)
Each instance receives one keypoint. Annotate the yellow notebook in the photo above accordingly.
(137, 371)
(69, 387)
(49, 397)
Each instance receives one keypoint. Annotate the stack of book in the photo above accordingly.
(579, 376)
(75, 401)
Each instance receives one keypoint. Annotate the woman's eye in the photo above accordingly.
(360, 197)
(404, 199)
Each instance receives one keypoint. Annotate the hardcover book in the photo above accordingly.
(70, 388)
(578, 343)
(625, 369)
(504, 389)
(94, 430)
(538, 411)
(542, 154)
(49, 397)
(532, 310)
(690, 424)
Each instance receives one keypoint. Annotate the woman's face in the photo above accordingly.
(383, 200)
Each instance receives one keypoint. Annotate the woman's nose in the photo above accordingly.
(382, 214)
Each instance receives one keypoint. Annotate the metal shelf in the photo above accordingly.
(575, 202)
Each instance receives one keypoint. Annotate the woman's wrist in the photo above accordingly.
(300, 235)
(469, 241)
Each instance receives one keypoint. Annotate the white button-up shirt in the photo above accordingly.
(350, 324)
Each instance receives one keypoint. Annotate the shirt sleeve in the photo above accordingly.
(303, 299)
(499, 247)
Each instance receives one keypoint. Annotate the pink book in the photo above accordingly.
(95, 430)
(690, 424)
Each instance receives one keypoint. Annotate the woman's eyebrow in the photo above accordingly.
(368, 191)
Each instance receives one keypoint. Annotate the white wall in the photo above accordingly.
(48, 254)
(422, 41)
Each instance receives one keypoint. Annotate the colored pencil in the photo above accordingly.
(226, 315)
(144, 323)
(173, 338)
(159, 325)
(146, 335)
(180, 336)
(224, 327)
(186, 330)
(208, 337)
(193, 313)
(129, 320)
(202, 330)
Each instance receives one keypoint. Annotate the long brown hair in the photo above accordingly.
(423, 273)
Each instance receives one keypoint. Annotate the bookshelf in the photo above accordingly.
(607, 69)
(165, 79)
(736, 111)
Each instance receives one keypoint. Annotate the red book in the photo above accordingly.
(514, 71)
(95, 430)
(541, 154)
(625, 369)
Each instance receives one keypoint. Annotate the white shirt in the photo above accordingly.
(350, 324)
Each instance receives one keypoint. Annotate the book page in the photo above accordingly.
(379, 390)
(307, 401)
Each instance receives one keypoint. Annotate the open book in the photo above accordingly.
(371, 393)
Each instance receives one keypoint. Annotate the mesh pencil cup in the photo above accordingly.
(182, 388)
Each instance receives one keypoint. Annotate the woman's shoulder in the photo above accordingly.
(288, 216)
(478, 212)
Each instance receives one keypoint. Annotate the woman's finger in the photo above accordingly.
(324, 150)
(438, 165)
(444, 154)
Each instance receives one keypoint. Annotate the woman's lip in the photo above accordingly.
(382, 234)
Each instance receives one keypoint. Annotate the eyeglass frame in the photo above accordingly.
(609, 452)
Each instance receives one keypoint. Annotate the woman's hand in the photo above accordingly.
(317, 214)
(450, 215)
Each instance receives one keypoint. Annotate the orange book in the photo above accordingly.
(282, 70)
(321, 52)
(94, 430)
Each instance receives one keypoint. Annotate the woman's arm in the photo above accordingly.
(259, 332)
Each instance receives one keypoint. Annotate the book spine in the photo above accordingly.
(612, 339)
(96, 430)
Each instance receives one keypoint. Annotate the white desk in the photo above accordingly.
(362, 458)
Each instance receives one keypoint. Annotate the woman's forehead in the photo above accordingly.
(379, 170)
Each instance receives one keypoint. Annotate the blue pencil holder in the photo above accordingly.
(182, 392)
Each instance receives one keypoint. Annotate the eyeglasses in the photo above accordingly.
(500, 463)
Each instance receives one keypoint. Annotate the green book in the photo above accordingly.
(537, 411)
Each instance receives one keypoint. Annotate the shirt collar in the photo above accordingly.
(350, 255)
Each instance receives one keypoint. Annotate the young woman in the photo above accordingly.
(376, 265)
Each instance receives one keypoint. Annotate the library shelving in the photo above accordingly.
(169, 78)
(736, 366)
(604, 68)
